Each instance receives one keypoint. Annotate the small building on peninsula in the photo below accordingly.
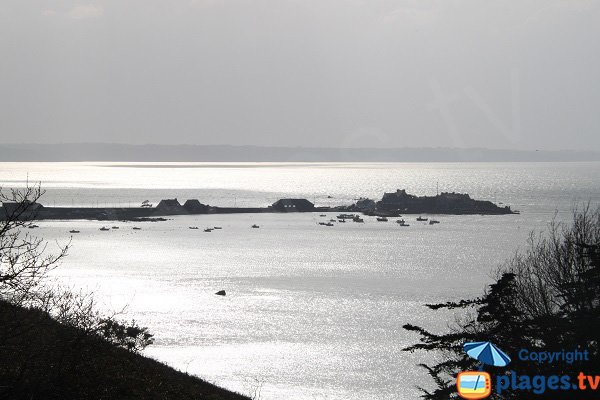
(169, 207)
(293, 205)
(194, 206)
(24, 210)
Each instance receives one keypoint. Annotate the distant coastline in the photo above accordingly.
(112, 152)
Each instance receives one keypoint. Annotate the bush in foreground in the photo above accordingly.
(546, 298)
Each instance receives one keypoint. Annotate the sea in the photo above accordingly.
(311, 311)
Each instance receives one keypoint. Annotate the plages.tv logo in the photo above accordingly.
(478, 384)
(474, 385)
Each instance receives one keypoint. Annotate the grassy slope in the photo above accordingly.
(42, 359)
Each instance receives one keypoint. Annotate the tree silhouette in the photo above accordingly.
(546, 298)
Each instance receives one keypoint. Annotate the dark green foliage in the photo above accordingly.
(131, 337)
(545, 299)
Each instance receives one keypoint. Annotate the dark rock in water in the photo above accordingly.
(220, 293)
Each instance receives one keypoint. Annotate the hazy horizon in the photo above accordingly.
(234, 153)
(302, 146)
(332, 73)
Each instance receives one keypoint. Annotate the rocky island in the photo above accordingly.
(400, 202)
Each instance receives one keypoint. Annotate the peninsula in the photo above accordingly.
(391, 204)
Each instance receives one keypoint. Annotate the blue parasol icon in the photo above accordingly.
(487, 353)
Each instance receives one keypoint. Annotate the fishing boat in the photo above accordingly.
(193, 227)
(421, 219)
(329, 224)
(433, 221)
(217, 227)
(73, 231)
(104, 229)
(115, 227)
(135, 228)
(357, 219)
(382, 219)
(208, 230)
(255, 226)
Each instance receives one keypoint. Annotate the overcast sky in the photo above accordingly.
(337, 73)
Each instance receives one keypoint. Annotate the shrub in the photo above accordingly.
(545, 298)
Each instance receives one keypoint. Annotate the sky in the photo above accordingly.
(314, 73)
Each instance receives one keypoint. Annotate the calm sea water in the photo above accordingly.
(312, 312)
